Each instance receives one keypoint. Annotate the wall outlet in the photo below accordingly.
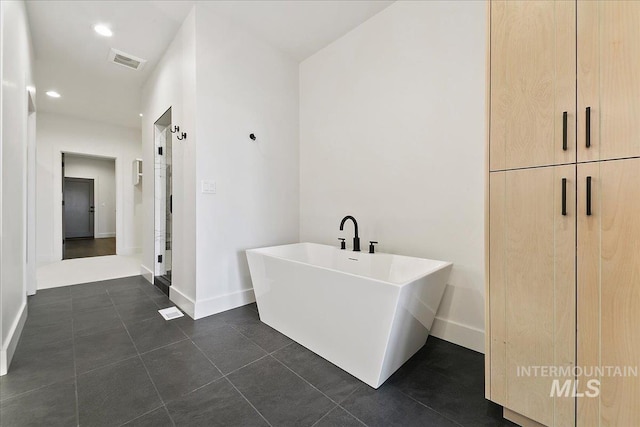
(208, 187)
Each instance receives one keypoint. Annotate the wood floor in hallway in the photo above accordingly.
(84, 248)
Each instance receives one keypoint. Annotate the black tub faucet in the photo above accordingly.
(356, 239)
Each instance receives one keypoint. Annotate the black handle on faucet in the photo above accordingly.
(371, 247)
(343, 245)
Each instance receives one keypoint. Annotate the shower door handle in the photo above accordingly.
(171, 204)
(91, 209)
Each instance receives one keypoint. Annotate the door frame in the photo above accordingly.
(58, 219)
(92, 221)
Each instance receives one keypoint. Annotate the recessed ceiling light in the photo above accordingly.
(103, 30)
(140, 114)
(53, 94)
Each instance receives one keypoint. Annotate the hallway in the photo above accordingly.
(99, 354)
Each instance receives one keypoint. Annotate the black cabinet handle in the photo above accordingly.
(564, 131)
(564, 196)
(588, 196)
(588, 127)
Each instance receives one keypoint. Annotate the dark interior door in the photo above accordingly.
(78, 208)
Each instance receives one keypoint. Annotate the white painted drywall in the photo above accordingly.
(56, 134)
(244, 86)
(103, 173)
(16, 75)
(392, 131)
(172, 85)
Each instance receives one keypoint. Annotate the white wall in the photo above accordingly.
(172, 85)
(103, 173)
(392, 132)
(57, 134)
(244, 86)
(16, 75)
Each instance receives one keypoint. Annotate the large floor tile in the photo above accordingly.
(137, 311)
(36, 338)
(154, 333)
(325, 376)
(87, 289)
(91, 302)
(227, 348)
(179, 369)
(48, 296)
(263, 335)
(280, 395)
(198, 327)
(121, 296)
(388, 407)
(217, 404)
(54, 405)
(462, 403)
(48, 314)
(115, 394)
(157, 418)
(338, 417)
(94, 321)
(97, 350)
(33, 369)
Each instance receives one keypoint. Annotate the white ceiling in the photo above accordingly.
(72, 59)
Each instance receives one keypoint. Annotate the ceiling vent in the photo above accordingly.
(126, 60)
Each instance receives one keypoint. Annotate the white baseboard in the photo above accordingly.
(9, 348)
(222, 303)
(457, 333)
(146, 273)
(105, 235)
(185, 303)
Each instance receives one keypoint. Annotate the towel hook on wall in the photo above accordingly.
(184, 136)
(252, 137)
(175, 129)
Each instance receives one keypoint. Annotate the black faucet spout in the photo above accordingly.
(356, 239)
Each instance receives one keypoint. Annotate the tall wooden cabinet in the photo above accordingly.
(563, 268)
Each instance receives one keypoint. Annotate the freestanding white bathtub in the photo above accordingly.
(365, 313)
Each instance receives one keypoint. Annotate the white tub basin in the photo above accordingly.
(365, 313)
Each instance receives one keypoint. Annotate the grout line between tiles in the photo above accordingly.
(428, 407)
(75, 371)
(247, 400)
(324, 416)
(143, 364)
(142, 415)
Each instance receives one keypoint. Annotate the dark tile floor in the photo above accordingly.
(99, 354)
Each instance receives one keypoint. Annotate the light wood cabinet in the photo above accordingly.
(532, 297)
(608, 78)
(532, 84)
(609, 290)
(564, 290)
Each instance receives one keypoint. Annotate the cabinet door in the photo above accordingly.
(532, 289)
(608, 79)
(532, 83)
(609, 291)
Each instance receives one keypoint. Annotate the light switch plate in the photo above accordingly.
(208, 187)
